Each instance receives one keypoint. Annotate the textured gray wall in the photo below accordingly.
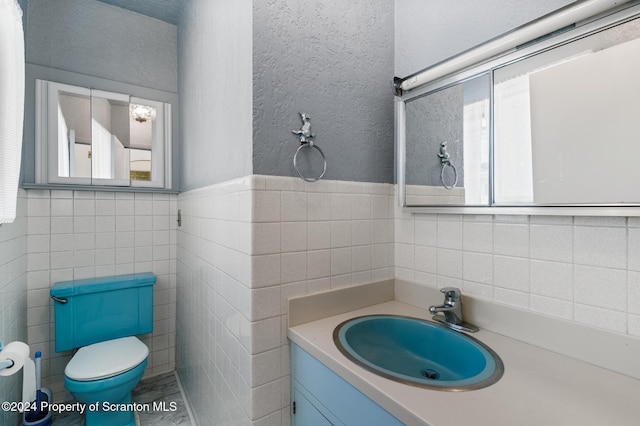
(431, 31)
(93, 38)
(333, 60)
(215, 69)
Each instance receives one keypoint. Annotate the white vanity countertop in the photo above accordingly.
(539, 387)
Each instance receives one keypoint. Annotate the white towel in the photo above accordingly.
(11, 105)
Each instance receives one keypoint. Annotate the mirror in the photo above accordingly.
(566, 123)
(553, 123)
(101, 138)
(447, 145)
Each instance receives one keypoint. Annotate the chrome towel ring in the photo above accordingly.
(445, 162)
(309, 145)
(306, 141)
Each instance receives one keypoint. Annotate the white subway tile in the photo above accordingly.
(551, 242)
(404, 231)
(551, 306)
(293, 267)
(318, 264)
(381, 231)
(266, 206)
(513, 298)
(449, 232)
(61, 207)
(449, 263)
(477, 267)
(601, 318)
(381, 255)
(404, 256)
(605, 247)
(426, 230)
(294, 206)
(552, 279)
(379, 207)
(360, 232)
(361, 207)
(318, 285)
(266, 238)
(340, 233)
(601, 287)
(38, 225)
(318, 206)
(340, 206)
(293, 236)
(633, 279)
(426, 259)
(265, 270)
(62, 225)
(38, 207)
(318, 235)
(125, 207)
(511, 273)
(340, 261)
(511, 239)
(634, 325)
(84, 224)
(482, 291)
(84, 207)
(477, 237)
(360, 258)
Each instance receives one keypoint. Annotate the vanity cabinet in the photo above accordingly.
(321, 397)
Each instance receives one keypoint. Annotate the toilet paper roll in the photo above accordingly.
(18, 352)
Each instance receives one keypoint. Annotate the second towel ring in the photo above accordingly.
(310, 145)
(444, 162)
(455, 174)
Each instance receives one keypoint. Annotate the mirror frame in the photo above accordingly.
(613, 18)
(47, 100)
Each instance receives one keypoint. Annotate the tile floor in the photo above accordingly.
(162, 388)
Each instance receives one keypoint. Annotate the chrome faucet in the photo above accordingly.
(452, 310)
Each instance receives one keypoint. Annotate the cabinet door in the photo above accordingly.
(305, 413)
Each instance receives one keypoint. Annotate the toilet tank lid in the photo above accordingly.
(94, 285)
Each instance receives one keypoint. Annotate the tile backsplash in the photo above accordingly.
(84, 234)
(582, 269)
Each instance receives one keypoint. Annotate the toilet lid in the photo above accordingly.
(106, 359)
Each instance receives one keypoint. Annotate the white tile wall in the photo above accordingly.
(84, 234)
(582, 269)
(13, 299)
(289, 238)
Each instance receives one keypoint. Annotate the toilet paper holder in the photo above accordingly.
(4, 362)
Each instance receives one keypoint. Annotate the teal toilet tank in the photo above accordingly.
(93, 310)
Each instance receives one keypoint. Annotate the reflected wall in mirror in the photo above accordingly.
(101, 138)
(566, 123)
(447, 145)
(74, 135)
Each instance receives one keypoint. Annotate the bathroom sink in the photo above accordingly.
(418, 352)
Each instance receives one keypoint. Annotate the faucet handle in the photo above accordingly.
(451, 293)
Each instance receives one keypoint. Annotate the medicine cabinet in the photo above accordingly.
(97, 138)
(552, 123)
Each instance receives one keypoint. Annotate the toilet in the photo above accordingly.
(101, 317)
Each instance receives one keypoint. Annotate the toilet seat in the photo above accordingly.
(106, 359)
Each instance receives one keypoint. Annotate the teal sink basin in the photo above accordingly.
(418, 352)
